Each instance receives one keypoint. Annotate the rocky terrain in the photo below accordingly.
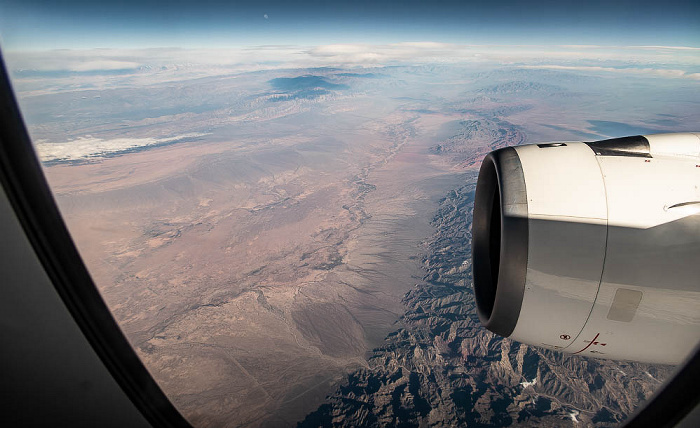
(441, 368)
(476, 137)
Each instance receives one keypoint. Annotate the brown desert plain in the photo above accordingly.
(251, 276)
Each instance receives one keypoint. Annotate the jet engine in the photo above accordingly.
(592, 248)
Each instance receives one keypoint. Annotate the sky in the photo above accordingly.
(80, 24)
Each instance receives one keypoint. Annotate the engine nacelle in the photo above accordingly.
(592, 248)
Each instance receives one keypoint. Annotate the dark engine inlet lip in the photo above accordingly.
(499, 289)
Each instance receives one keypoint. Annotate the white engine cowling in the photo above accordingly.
(592, 248)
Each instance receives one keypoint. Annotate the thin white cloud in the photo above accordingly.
(64, 60)
(365, 54)
(422, 52)
(680, 48)
(657, 72)
(104, 65)
(86, 148)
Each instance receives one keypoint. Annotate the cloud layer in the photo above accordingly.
(35, 73)
(272, 56)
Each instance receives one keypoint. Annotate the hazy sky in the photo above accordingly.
(36, 24)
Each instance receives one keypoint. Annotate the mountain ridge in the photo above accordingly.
(441, 368)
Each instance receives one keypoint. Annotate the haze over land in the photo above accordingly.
(264, 222)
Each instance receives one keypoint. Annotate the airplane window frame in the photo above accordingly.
(30, 196)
